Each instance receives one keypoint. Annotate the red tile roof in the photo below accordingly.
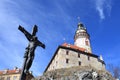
(73, 47)
(16, 71)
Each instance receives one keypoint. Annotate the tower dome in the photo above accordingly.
(82, 38)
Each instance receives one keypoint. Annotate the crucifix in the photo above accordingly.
(30, 49)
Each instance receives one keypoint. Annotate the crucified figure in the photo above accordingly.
(30, 49)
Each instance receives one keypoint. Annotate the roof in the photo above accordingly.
(73, 48)
(15, 71)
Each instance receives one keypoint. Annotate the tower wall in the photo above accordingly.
(83, 43)
(82, 38)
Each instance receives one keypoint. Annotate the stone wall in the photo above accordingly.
(76, 73)
(60, 60)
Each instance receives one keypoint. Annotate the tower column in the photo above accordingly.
(82, 38)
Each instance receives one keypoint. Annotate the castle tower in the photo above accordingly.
(79, 54)
(82, 38)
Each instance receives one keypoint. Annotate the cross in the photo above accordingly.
(30, 49)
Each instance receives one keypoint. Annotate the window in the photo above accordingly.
(86, 42)
(8, 78)
(67, 52)
(79, 62)
(78, 55)
(15, 78)
(56, 63)
(67, 60)
(88, 57)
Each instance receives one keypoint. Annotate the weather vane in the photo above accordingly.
(30, 49)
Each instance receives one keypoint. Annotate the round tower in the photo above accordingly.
(82, 38)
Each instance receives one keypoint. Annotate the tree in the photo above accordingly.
(115, 70)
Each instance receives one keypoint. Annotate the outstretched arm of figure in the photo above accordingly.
(40, 44)
(27, 34)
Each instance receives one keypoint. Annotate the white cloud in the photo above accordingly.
(13, 42)
(103, 7)
(100, 8)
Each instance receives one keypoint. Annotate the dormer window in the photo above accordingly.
(5, 71)
(17, 70)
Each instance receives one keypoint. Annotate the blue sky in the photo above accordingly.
(57, 21)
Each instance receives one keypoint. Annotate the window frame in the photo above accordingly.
(67, 60)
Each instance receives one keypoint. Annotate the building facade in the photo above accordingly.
(13, 74)
(79, 54)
